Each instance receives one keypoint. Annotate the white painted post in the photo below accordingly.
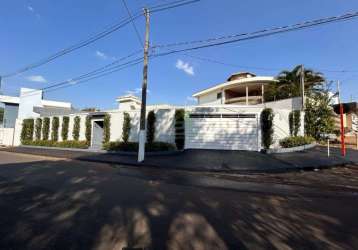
(262, 93)
(328, 150)
(247, 95)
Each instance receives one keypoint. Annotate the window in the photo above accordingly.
(218, 96)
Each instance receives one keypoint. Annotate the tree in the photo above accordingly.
(289, 84)
(126, 130)
(27, 130)
(180, 128)
(319, 114)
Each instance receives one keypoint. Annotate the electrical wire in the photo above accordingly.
(133, 24)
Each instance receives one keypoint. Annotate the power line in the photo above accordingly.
(260, 33)
(133, 24)
(96, 37)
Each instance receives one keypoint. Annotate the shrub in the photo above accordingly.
(76, 128)
(62, 144)
(296, 122)
(38, 127)
(151, 127)
(64, 130)
(126, 129)
(290, 123)
(267, 127)
(179, 128)
(88, 129)
(296, 141)
(106, 128)
(133, 146)
(27, 130)
(54, 128)
(46, 128)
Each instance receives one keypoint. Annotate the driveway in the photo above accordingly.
(66, 204)
(212, 160)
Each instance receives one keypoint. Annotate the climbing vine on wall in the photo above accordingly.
(126, 129)
(179, 128)
(267, 127)
(151, 127)
(88, 129)
(106, 128)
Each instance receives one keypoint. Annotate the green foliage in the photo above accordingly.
(133, 146)
(267, 127)
(294, 122)
(106, 128)
(1, 115)
(46, 128)
(54, 128)
(38, 127)
(179, 128)
(64, 130)
(62, 144)
(289, 84)
(88, 129)
(296, 141)
(319, 114)
(151, 127)
(27, 130)
(76, 128)
(126, 129)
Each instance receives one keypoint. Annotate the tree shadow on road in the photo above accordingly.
(77, 205)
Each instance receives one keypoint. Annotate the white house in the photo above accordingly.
(226, 117)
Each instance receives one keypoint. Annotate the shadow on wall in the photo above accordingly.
(45, 205)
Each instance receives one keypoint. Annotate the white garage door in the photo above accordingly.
(222, 131)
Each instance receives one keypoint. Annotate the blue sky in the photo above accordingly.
(34, 29)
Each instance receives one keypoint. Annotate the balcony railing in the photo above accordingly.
(252, 100)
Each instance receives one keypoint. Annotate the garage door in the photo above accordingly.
(222, 131)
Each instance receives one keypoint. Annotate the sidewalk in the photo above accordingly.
(211, 160)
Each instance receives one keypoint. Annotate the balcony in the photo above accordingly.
(251, 100)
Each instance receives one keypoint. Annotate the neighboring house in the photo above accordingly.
(227, 116)
(350, 121)
(28, 104)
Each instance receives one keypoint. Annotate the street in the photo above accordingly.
(49, 203)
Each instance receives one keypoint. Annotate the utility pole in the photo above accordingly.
(343, 146)
(303, 94)
(142, 132)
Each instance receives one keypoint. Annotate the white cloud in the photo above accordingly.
(71, 81)
(136, 91)
(191, 99)
(36, 78)
(101, 55)
(30, 8)
(186, 67)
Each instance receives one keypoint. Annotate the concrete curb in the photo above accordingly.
(290, 150)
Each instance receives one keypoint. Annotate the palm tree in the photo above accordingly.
(289, 83)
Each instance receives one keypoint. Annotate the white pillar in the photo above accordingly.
(141, 143)
(262, 93)
(247, 95)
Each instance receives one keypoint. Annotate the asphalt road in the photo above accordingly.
(63, 204)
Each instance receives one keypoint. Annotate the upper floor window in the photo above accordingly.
(218, 96)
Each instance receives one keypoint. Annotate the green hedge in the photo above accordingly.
(76, 128)
(151, 119)
(88, 129)
(296, 141)
(46, 128)
(267, 127)
(54, 128)
(38, 127)
(62, 144)
(180, 128)
(106, 128)
(64, 130)
(133, 146)
(126, 130)
(27, 129)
